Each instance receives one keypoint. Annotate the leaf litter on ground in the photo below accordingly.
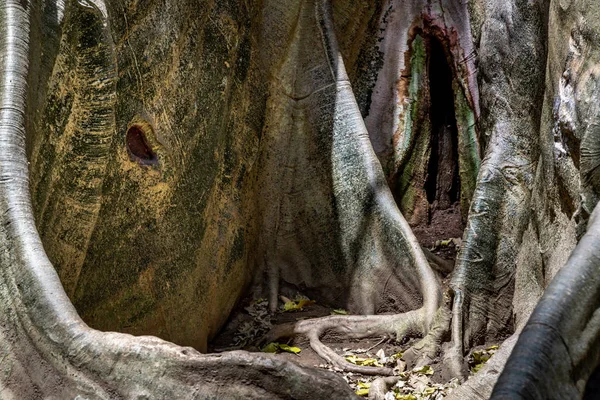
(250, 331)
(276, 347)
(479, 357)
(415, 384)
(298, 304)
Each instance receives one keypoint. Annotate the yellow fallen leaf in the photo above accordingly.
(362, 392)
(429, 391)
(305, 302)
(367, 362)
(270, 348)
(477, 367)
(297, 305)
(406, 397)
(425, 370)
(290, 349)
(364, 385)
(371, 362)
(339, 311)
(481, 356)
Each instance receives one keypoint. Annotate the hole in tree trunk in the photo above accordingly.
(138, 148)
(442, 181)
(442, 184)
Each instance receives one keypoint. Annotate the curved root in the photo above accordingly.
(426, 349)
(355, 327)
(379, 387)
(340, 362)
(418, 322)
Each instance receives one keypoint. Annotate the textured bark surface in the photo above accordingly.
(158, 160)
(129, 242)
(511, 91)
(47, 350)
(564, 324)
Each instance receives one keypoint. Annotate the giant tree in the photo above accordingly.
(160, 159)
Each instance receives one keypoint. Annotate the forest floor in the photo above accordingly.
(251, 320)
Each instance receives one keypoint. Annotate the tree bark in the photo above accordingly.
(157, 161)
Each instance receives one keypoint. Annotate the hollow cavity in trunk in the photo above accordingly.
(442, 183)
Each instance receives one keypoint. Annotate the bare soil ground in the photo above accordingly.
(443, 225)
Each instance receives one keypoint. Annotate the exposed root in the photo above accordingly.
(340, 362)
(355, 327)
(453, 357)
(425, 351)
(438, 263)
(379, 387)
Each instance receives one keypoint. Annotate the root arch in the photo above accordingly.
(449, 150)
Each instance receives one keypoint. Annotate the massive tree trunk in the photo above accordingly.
(160, 160)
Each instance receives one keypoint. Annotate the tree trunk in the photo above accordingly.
(160, 160)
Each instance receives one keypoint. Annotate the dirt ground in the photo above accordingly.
(443, 225)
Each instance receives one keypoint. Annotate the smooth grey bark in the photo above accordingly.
(564, 326)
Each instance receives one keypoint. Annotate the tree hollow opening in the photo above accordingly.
(442, 184)
(440, 218)
(138, 147)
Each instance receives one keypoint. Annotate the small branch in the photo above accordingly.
(383, 339)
